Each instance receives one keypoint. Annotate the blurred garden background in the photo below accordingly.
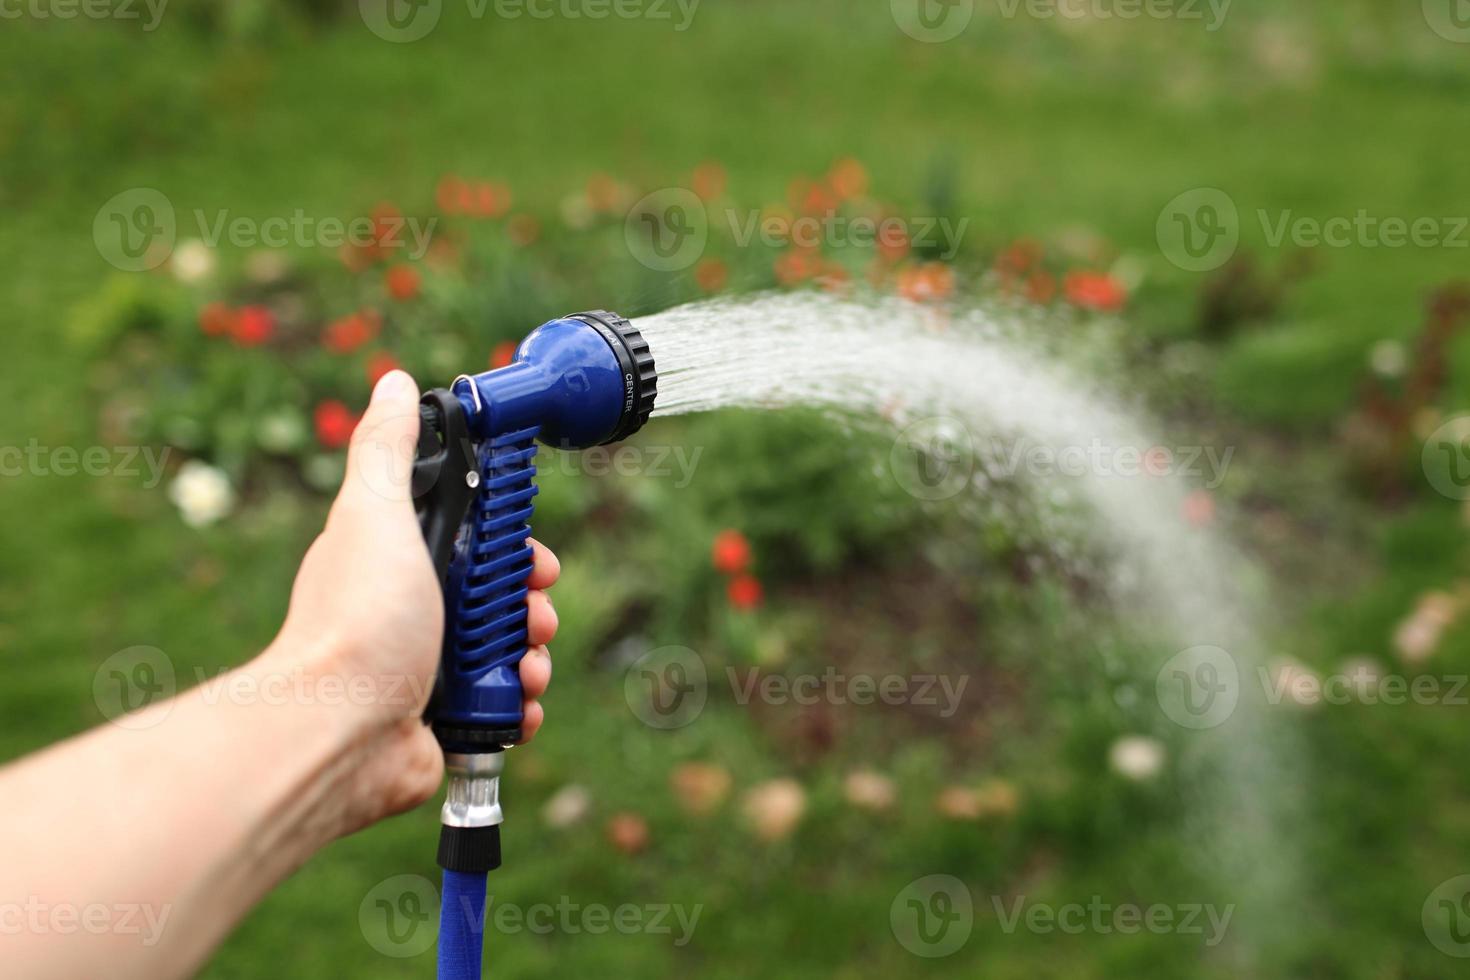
(776, 542)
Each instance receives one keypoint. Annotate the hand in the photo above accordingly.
(367, 608)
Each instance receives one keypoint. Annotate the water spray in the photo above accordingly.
(583, 380)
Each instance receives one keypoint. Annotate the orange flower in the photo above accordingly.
(355, 258)
(216, 319)
(745, 592)
(334, 423)
(380, 364)
(700, 787)
(848, 178)
(833, 276)
(628, 832)
(1094, 291)
(402, 282)
(387, 228)
(253, 326)
(709, 180)
(1019, 258)
(731, 552)
(893, 240)
(450, 194)
(489, 199)
(712, 275)
(1041, 287)
(443, 253)
(346, 334)
(925, 283)
(602, 193)
(796, 266)
(523, 229)
(1199, 508)
(811, 197)
(503, 354)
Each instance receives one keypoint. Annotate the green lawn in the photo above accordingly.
(1041, 128)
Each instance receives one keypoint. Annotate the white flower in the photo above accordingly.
(1417, 637)
(569, 805)
(201, 493)
(774, 808)
(1296, 684)
(1388, 358)
(1363, 676)
(1137, 757)
(282, 431)
(868, 790)
(192, 261)
(576, 212)
(266, 267)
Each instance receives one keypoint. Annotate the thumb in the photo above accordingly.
(380, 460)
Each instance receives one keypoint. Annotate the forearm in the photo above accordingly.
(131, 852)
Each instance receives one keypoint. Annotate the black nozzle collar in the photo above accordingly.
(640, 377)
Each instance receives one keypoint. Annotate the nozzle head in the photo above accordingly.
(635, 360)
(583, 380)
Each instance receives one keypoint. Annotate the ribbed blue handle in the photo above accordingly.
(486, 633)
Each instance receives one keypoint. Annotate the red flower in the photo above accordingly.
(334, 424)
(380, 364)
(503, 354)
(744, 592)
(346, 334)
(403, 282)
(253, 326)
(1094, 291)
(731, 552)
(711, 275)
(709, 180)
(216, 320)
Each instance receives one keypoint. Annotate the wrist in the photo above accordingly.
(329, 674)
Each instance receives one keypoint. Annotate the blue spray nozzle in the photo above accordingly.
(582, 380)
(575, 382)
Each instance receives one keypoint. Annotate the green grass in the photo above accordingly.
(1322, 109)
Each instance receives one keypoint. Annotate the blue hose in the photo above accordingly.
(461, 926)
